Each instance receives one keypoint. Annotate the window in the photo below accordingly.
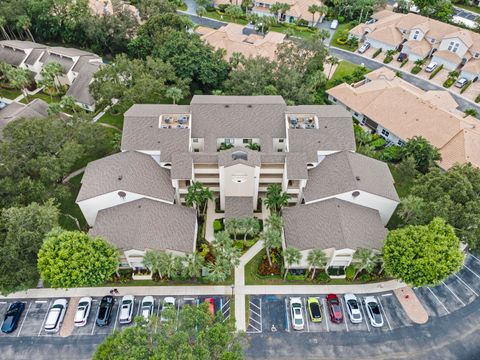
(355, 113)
(247, 141)
(450, 46)
(385, 133)
(333, 99)
(401, 143)
(229, 141)
(477, 55)
(455, 48)
(281, 140)
(415, 35)
(195, 140)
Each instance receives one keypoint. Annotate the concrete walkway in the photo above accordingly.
(211, 217)
(412, 306)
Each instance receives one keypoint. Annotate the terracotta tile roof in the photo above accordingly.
(298, 8)
(447, 55)
(462, 148)
(473, 66)
(388, 35)
(421, 47)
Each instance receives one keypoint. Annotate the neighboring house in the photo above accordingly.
(236, 38)
(78, 66)
(398, 111)
(15, 110)
(107, 7)
(422, 37)
(298, 9)
(309, 150)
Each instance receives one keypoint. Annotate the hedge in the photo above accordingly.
(466, 86)
(217, 225)
(388, 59)
(477, 99)
(449, 82)
(403, 63)
(435, 72)
(416, 69)
(376, 53)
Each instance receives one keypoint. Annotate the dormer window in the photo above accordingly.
(416, 34)
(239, 155)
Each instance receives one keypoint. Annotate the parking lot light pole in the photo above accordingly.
(233, 287)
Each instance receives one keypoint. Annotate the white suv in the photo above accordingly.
(55, 315)
(126, 309)
(83, 310)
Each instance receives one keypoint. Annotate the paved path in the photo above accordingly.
(355, 58)
(72, 175)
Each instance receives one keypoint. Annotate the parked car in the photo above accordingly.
(334, 24)
(334, 308)
(55, 315)
(12, 317)
(364, 47)
(2, 105)
(373, 311)
(314, 309)
(126, 309)
(353, 308)
(430, 67)
(147, 306)
(297, 313)
(461, 83)
(401, 57)
(83, 310)
(211, 305)
(105, 311)
(168, 302)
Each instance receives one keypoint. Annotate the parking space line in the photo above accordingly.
(258, 322)
(254, 328)
(94, 320)
(252, 303)
(45, 318)
(473, 272)
(40, 301)
(158, 307)
(3, 302)
(435, 296)
(384, 313)
(464, 283)
(474, 257)
(388, 294)
(345, 313)
(306, 316)
(254, 312)
(117, 316)
(324, 303)
(443, 282)
(261, 318)
(364, 314)
(286, 317)
(23, 322)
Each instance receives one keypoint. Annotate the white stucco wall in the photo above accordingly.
(446, 63)
(230, 186)
(462, 48)
(468, 75)
(379, 45)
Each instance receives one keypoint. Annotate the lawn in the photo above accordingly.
(115, 120)
(340, 30)
(402, 185)
(225, 18)
(68, 206)
(44, 97)
(343, 69)
(9, 94)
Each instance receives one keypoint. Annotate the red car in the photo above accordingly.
(334, 308)
(211, 305)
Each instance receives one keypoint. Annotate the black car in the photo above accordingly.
(12, 317)
(401, 57)
(105, 312)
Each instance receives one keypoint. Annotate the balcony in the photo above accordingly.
(302, 121)
(175, 121)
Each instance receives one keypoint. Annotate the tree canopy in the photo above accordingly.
(22, 230)
(72, 258)
(422, 152)
(422, 254)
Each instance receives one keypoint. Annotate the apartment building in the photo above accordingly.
(421, 37)
(237, 146)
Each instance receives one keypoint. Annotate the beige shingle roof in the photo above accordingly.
(462, 148)
(333, 223)
(238, 207)
(14, 111)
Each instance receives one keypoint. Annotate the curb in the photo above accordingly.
(411, 305)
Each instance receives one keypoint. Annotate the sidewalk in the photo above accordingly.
(412, 306)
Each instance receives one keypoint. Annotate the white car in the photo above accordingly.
(126, 309)
(334, 24)
(373, 311)
(461, 82)
(168, 302)
(55, 315)
(297, 313)
(83, 310)
(146, 309)
(353, 308)
(430, 67)
(364, 47)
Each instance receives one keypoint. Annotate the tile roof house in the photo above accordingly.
(420, 37)
(308, 150)
(236, 38)
(15, 110)
(298, 10)
(78, 66)
(414, 112)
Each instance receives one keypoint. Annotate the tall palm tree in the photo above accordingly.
(272, 239)
(198, 196)
(313, 9)
(274, 221)
(151, 261)
(193, 264)
(3, 22)
(316, 258)
(365, 259)
(221, 243)
(233, 226)
(168, 265)
(276, 198)
(19, 79)
(218, 271)
(283, 8)
(291, 256)
(332, 60)
(174, 93)
(49, 74)
(251, 227)
(275, 9)
(24, 23)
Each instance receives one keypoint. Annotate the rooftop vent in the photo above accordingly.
(355, 193)
(249, 105)
(227, 106)
(120, 177)
(357, 178)
(122, 194)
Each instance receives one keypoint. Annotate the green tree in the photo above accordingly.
(22, 230)
(193, 264)
(49, 77)
(365, 259)
(24, 23)
(275, 222)
(19, 79)
(276, 198)
(422, 151)
(333, 61)
(470, 112)
(198, 196)
(152, 261)
(291, 256)
(175, 94)
(233, 226)
(226, 254)
(423, 254)
(149, 8)
(72, 258)
(201, 11)
(272, 239)
(219, 270)
(313, 9)
(316, 259)
(54, 109)
(235, 12)
(68, 103)
(251, 227)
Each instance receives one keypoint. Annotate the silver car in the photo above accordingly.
(373, 311)
(353, 308)
(364, 47)
(297, 313)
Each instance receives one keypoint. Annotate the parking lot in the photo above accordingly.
(271, 313)
(33, 317)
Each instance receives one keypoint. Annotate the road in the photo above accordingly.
(421, 83)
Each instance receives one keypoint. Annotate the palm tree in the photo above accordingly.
(275, 9)
(274, 221)
(332, 60)
(233, 226)
(221, 243)
(313, 9)
(218, 271)
(419, 62)
(193, 264)
(49, 74)
(283, 8)
(19, 79)
(151, 261)
(198, 196)
(276, 198)
(291, 256)
(251, 227)
(231, 256)
(3, 22)
(365, 260)
(68, 103)
(168, 265)
(201, 11)
(272, 239)
(4, 70)
(316, 258)
(236, 59)
(174, 93)
(24, 23)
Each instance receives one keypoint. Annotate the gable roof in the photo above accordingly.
(15, 110)
(128, 171)
(346, 171)
(182, 166)
(238, 207)
(12, 56)
(333, 223)
(79, 89)
(147, 224)
(296, 166)
(226, 157)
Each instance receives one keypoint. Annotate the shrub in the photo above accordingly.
(416, 69)
(204, 250)
(436, 71)
(323, 276)
(467, 85)
(217, 225)
(350, 272)
(365, 278)
(449, 82)
(376, 53)
(342, 41)
(388, 59)
(341, 19)
(403, 63)
(477, 99)
(378, 143)
(291, 277)
(223, 7)
(392, 154)
(302, 22)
